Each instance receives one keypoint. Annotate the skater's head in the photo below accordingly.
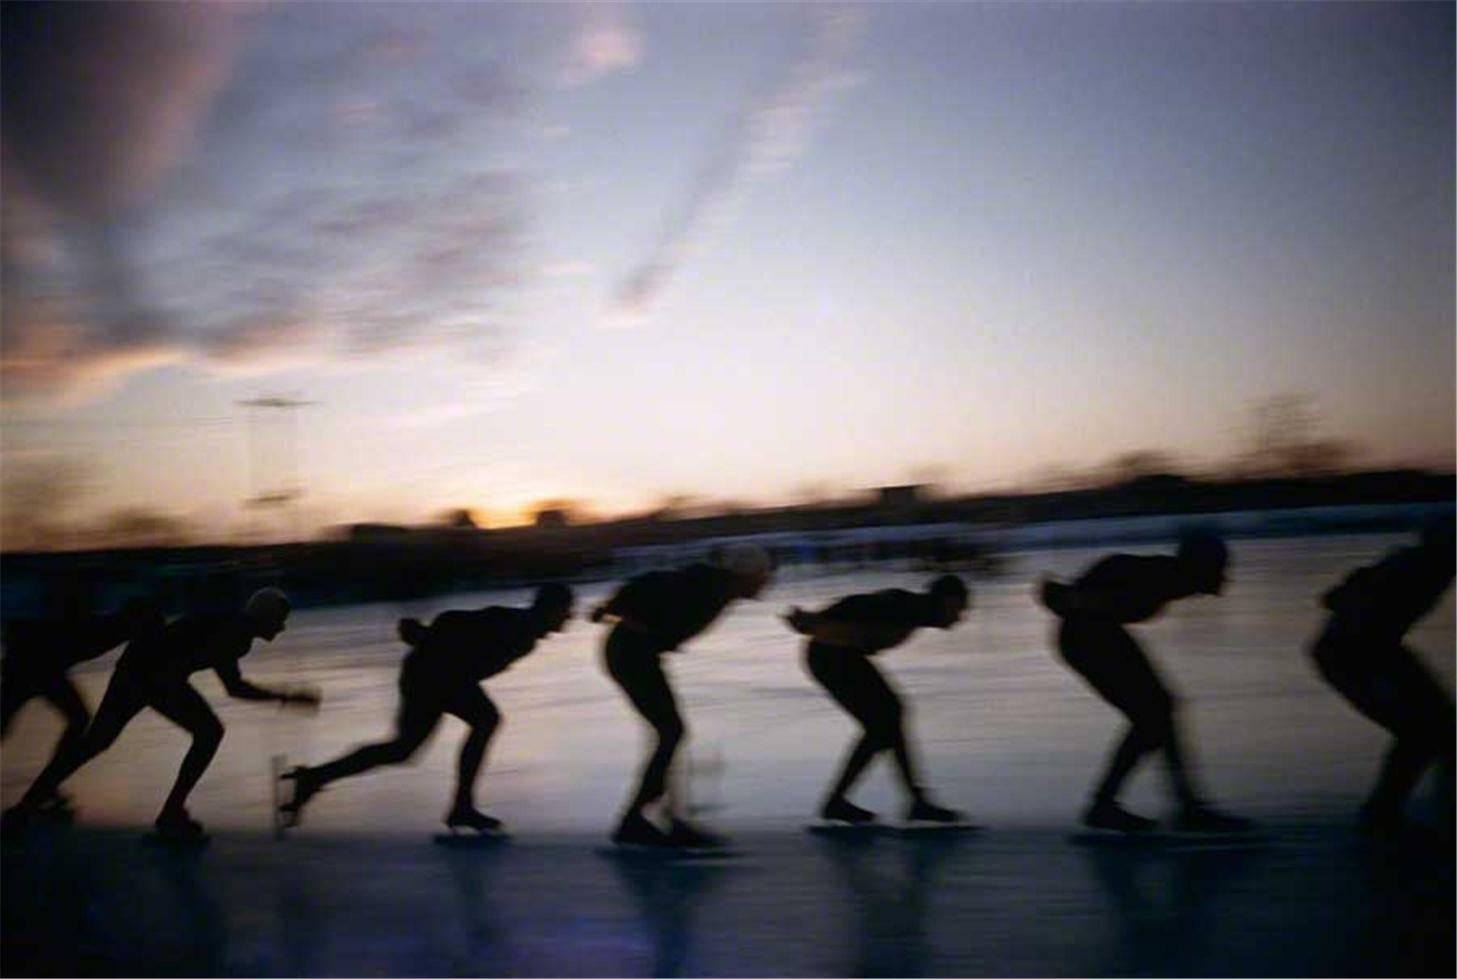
(552, 606)
(750, 566)
(1202, 559)
(267, 610)
(949, 600)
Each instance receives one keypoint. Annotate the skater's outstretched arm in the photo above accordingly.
(236, 686)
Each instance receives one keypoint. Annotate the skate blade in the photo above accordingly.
(938, 829)
(833, 828)
(472, 839)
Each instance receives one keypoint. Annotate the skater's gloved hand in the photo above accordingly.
(598, 613)
(307, 698)
(799, 620)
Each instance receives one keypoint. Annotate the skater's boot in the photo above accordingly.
(842, 810)
(1109, 815)
(685, 834)
(305, 787)
(635, 830)
(1200, 817)
(176, 824)
(925, 811)
(468, 817)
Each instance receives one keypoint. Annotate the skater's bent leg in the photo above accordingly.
(892, 727)
(484, 720)
(862, 753)
(185, 707)
(1419, 712)
(413, 728)
(1116, 667)
(1405, 761)
(1175, 760)
(13, 694)
(649, 692)
(1130, 751)
(67, 699)
(844, 677)
(124, 698)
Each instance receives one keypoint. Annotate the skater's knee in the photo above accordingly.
(77, 718)
(1158, 713)
(399, 751)
(670, 729)
(96, 740)
(1152, 730)
(883, 732)
(208, 734)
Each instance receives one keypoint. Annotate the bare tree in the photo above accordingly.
(140, 527)
(35, 498)
(1284, 440)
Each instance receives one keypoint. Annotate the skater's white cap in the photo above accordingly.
(747, 561)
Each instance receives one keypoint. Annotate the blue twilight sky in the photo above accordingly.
(612, 252)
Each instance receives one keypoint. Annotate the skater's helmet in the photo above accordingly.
(951, 597)
(554, 602)
(750, 564)
(268, 608)
(1205, 558)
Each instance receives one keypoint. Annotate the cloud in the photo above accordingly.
(100, 102)
(287, 338)
(101, 98)
(603, 41)
(574, 269)
(765, 138)
(173, 194)
(51, 353)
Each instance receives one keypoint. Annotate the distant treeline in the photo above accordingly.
(390, 563)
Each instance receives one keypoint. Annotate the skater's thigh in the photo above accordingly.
(62, 693)
(474, 707)
(646, 685)
(185, 707)
(1419, 706)
(420, 710)
(855, 684)
(15, 690)
(1114, 665)
(124, 698)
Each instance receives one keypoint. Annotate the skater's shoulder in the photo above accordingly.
(888, 603)
(1122, 570)
(464, 623)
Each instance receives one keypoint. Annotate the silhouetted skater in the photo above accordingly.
(1360, 652)
(153, 672)
(656, 613)
(39, 653)
(441, 675)
(842, 638)
(1116, 591)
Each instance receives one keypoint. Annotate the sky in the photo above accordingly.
(613, 253)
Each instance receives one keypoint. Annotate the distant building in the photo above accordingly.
(553, 517)
(377, 533)
(900, 498)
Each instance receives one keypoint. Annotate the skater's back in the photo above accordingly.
(476, 643)
(1383, 600)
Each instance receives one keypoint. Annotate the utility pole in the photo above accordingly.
(273, 477)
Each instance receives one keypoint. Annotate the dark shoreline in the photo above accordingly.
(367, 563)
